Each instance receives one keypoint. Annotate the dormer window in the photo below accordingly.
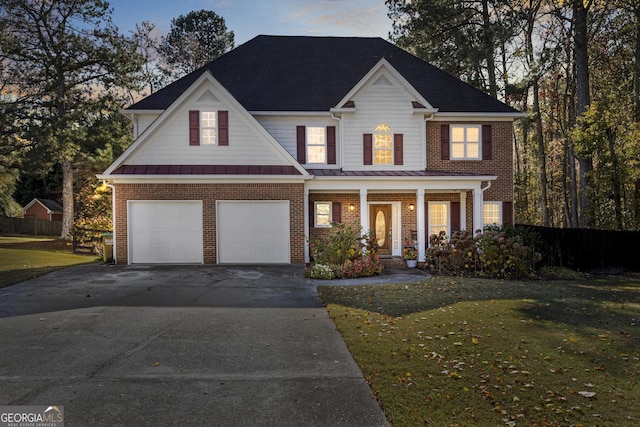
(382, 145)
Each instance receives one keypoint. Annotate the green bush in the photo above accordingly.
(346, 252)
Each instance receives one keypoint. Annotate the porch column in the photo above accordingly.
(463, 210)
(364, 210)
(420, 224)
(478, 202)
(307, 257)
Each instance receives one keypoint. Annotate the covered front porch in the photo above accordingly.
(398, 210)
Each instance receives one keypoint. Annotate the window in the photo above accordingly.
(323, 214)
(492, 213)
(316, 145)
(465, 142)
(438, 217)
(208, 128)
(382, 145)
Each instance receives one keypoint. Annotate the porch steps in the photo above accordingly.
(392, 262)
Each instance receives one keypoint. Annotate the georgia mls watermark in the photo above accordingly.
(31, 416)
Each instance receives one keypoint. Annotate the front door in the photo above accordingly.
(380, 221)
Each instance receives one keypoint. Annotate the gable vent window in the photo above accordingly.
(382, 145)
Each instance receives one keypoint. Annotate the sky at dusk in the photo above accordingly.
(249, 18)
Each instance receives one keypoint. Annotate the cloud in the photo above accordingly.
(342, 17)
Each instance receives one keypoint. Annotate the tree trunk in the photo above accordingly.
(489, 49)
(636, 69)
(67, 199)
(542, 159)
(581, 57)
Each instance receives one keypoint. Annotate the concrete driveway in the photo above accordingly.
(179, 345)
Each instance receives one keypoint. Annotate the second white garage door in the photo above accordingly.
(253, 231)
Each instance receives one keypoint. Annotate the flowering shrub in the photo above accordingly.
(343, 252)
(493, 253)
(365, 266)
(320, 271)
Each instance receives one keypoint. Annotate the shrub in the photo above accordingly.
(319, 271)
(343, 243)
(343, 252)
(494, 253)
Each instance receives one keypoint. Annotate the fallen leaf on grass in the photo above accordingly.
(588, 394)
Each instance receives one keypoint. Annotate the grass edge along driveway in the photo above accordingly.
(466, 351)
(23, 258)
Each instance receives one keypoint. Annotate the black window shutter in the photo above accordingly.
(507, 213)
(301, 144)
(194, 127)
(312, 214)
(367, 148)
(486, 142)
(455, 216)
(444, 142)
(223, 128)
(336, 212)
(398, 149)
(331, 145)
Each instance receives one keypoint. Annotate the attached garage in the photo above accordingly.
(165, 231)
(253, 231)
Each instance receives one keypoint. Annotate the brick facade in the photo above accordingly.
(209, 193)
(501, 164)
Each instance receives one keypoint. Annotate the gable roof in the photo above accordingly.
(291, 73)
(51, 205)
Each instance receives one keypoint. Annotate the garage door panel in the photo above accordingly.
(253, 231)
(165, 232)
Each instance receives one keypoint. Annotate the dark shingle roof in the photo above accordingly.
(285, 73)
(52, 205)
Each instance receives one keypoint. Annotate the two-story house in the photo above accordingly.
(245, 159)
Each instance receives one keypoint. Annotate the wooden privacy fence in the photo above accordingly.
(32, 226)
(595, 251)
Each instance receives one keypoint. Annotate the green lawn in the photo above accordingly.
(473, 352)
(23, 258)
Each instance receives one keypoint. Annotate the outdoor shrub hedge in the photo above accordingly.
(343, 253)
(498, 252)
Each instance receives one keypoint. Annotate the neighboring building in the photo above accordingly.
(246, 158)
(44, 209)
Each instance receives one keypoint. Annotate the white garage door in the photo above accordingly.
(165, 232)
(253, 231)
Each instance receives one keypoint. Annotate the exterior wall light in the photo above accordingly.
(412, 206)
(352, 207)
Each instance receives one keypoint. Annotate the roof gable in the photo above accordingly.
(202, 91)
(383, 74)
(50, 205)
(315, 73)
